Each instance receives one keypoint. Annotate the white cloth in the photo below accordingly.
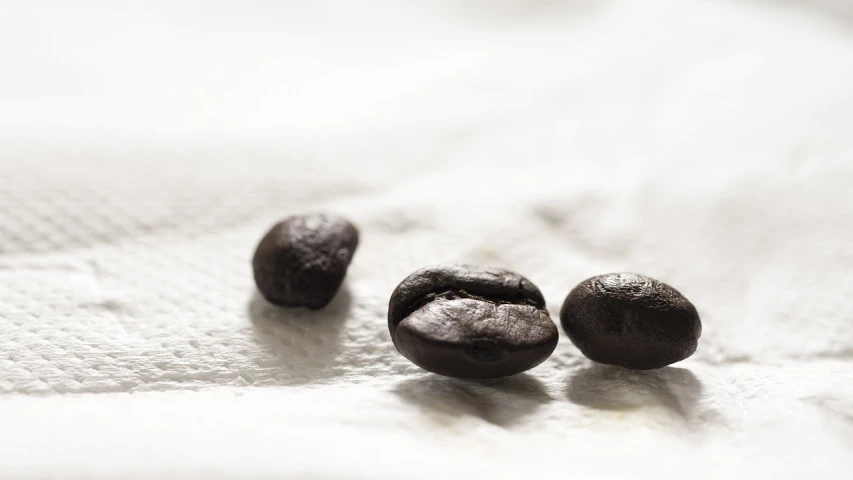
(146, 147)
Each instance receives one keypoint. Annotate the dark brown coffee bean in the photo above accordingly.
(471, 322)
(302, 261)
(631, 320)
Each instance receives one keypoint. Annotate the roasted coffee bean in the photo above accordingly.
(631, 320)
(471, 322)
(302, 261)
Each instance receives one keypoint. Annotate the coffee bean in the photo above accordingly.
(302, 261)
(471, 322)
(631, 320)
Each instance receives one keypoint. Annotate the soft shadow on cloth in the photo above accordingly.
(605, 387)
(838, 10)
(500, 401)
(305, 342)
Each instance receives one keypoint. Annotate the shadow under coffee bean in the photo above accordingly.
(471, 322)
(500, 401)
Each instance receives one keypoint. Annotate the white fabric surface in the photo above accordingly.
(145, 148)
